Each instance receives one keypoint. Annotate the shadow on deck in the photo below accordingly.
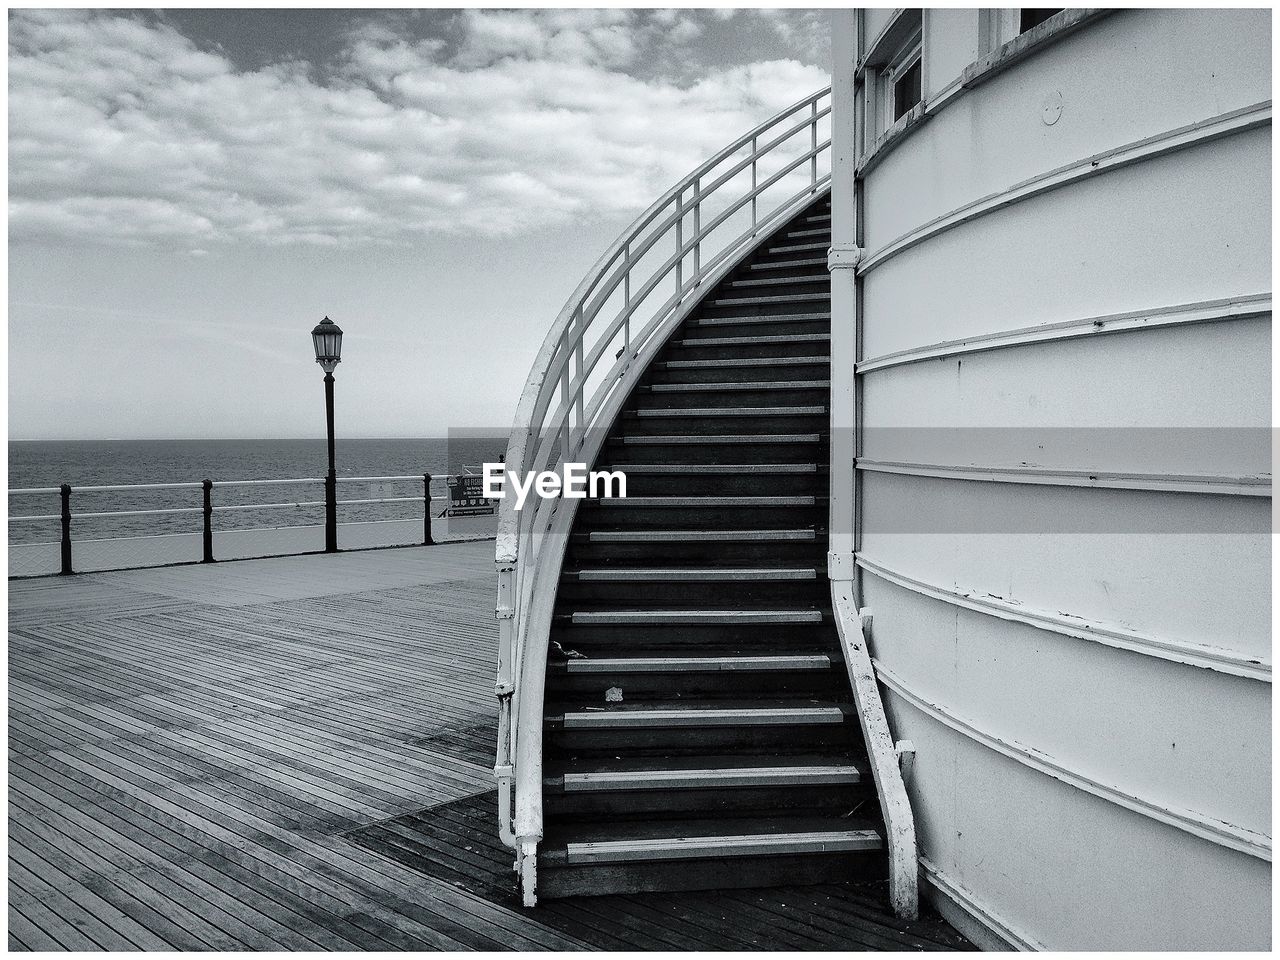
(296, 753)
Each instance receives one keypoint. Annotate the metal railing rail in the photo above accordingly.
(558, 407)
(209, 509)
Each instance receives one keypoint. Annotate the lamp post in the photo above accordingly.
(327, 337)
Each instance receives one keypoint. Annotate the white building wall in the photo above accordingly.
(1071, 629)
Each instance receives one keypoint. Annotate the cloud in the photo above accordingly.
(123, 130)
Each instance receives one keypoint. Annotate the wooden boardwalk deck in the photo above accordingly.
(296, 754)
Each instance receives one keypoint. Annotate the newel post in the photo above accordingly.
(208, 522)
(65, 490)
(426, 511)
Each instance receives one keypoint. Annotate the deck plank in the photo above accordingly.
(295, 753)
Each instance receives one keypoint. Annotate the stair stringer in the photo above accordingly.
(853, 626)
(529, 696)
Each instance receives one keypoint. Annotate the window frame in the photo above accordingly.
(907, 56)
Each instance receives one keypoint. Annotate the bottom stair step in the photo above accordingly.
(750, 845)
(716, 853)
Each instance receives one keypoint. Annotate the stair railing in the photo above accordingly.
(599, 346)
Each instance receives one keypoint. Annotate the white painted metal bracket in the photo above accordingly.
(843, 256)
(841, 565)
(906, 751)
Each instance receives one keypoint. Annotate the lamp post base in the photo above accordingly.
(331, 513)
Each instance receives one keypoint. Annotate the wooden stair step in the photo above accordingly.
(697, 573)
(700, 717)
(692, 617)
(726, 664)
(818, 232)
(711, 501)
(727, 845)
(803, 411)
(707, 778)
(773, 298)
(779, 281)
(790, 264)
(752, 341)
(817, 218)
(753, 318)
(740, 385)
(744, 362)
(799, 247)
(659, 440)
(662, 536)
(688, 468)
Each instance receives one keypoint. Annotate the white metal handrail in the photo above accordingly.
(570, 393)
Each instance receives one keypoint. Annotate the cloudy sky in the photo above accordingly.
(191, 190)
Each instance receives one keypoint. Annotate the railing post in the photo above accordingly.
(679, 241)
(626, 297)
(208, 522)
(577, 370)
(754, 152)
(813, 131)
(65, 490)
(564, 403)
(697, 228)
(426, 511)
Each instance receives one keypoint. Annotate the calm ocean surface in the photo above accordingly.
(94, 462)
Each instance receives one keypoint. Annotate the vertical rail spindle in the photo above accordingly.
(577, 370)
(697, 229)
(564, 403)
(626, 298)
(679, 241)
(813, 141)
(65, 491)
(754, 154)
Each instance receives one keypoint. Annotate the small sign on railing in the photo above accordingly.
(467, 499)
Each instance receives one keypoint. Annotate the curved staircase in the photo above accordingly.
(675, 701)
(699, 731)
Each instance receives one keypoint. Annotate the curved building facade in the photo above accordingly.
(1051, 311)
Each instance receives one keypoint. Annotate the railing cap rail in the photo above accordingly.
(199, 484)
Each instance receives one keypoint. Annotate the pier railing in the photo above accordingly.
(82, 535)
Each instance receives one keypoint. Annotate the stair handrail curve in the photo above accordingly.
(543, 437)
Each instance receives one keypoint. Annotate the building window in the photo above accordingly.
(906, 89)
(893, 73)
(1031, 17)
(903, 81)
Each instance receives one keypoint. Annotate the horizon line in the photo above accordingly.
(495, 436)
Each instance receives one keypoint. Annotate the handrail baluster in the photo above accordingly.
(813, 144)
(697, 229)
(626, 298)
(680, 241)
(755, 155)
